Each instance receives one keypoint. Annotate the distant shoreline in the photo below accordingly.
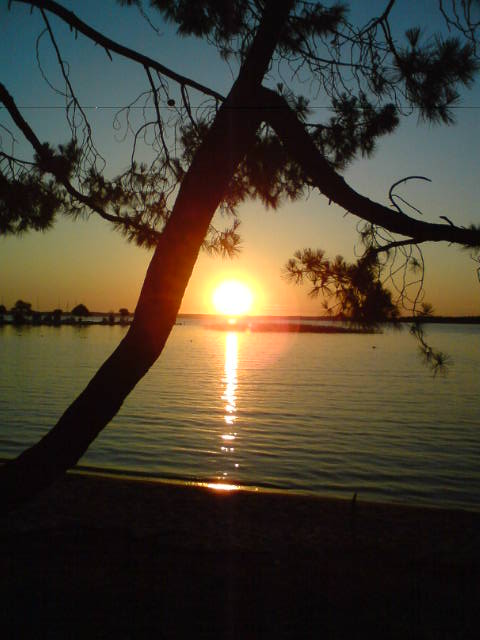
(300, 318)
(264, 324)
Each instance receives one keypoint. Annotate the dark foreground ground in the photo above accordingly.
(109, 558)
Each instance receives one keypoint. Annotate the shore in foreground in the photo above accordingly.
(110, 557)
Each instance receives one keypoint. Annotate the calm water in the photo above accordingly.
(332, 414)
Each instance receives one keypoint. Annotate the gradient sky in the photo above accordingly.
(85, 261)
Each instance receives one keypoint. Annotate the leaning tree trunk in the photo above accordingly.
(203, 188)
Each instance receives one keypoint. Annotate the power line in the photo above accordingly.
(111, 107)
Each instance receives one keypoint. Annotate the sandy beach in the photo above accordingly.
(104, 557)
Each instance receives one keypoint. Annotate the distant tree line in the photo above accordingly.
(22, 313)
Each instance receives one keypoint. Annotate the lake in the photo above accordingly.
(332, 414)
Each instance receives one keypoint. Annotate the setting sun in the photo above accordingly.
(232, 298)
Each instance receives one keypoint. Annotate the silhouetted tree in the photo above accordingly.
(20, 312)
(80, 310)
(259, 141)
(57, 317)
(124, 313)
(22, 307)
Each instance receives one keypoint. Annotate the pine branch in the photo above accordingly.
(294, 135)
(110, 45)
(48, 163)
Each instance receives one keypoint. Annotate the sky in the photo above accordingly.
(86, 261)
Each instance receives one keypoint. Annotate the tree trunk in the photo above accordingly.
(202, 190)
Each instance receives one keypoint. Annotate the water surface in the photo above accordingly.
(331, 414)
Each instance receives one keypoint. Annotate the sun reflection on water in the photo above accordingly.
(229, 397)
(222, 486)
(230, 380)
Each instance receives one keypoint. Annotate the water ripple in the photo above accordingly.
(323, 413)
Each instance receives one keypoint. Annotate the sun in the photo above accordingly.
(232, 298)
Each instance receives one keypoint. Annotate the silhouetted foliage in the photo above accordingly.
(22, 307)
(80, 310)
(368, 75)
(352, 292)
(56, 317)
(21, 312)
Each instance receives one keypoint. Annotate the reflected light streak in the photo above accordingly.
(231, 362)
(222, 486)
(230, 408)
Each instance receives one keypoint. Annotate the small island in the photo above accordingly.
(285, 326)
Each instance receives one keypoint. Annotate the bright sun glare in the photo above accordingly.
(232, 298)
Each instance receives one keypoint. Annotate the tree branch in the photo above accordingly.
(376, 21)
(46, 160)
(110, 45)
(395, 245)
(277, 112)
(10, 158)
(48, 164)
